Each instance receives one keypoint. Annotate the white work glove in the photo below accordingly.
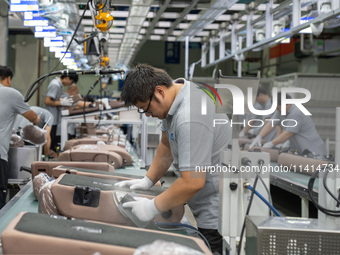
(66, 101)
(251, 131)
(268, 145)
(256, 142)
(285, 145)
(241, 134)
(278, 146)
(145, 209)
(141, 184)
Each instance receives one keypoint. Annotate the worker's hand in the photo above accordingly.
(256, 142)
(241, 134)
(66, 101)
(141, 184)
(268, 145)
(145, 209)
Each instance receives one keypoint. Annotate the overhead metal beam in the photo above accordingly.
(265, 42)
(151, 28)
(217, 8)
(179, 20)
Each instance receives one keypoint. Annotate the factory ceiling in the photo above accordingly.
(137, 21)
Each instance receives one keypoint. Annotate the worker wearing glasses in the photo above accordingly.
(189, 141)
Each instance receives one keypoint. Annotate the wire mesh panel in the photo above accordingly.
(291, 236)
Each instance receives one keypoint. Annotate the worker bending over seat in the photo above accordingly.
(189, 140)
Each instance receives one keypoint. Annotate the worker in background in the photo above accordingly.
(53, 103)
(20, 122)
(11, 104)
(303, 136)
(78, 103)
(189, 140)
(263, 102)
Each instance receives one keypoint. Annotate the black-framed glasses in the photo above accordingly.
(147, 109)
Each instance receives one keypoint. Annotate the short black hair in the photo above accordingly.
(5, 72)
(140, 83)
(279, 98)
(261, 91)
(73, 77)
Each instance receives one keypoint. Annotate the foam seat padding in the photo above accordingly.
(59, 170)
(42, 178)
(90, 155)
(302, 164)
(116, 104)
(47, 166)
(33, 233)
(92, 198)
(86, 140)
(127, 159)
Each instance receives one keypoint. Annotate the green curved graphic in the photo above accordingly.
(207, 91)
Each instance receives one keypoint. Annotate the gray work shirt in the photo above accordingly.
(54, 90)
(20, 121)
(11, 104)
(266, 106)
(196, 143)
(305, 134)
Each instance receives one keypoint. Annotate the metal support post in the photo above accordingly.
(304, 207)
(296, 12)
(211, 49)
(222, 43)
(233, 37)
(269, 19)
(335, 4)
(204, 54)
(249, 39)
(186, 75)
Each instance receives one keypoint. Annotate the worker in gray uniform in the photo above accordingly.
(53, 103)
(20, 122)
(263, 102)
(11, 104)
(189, 141)
(299, 130)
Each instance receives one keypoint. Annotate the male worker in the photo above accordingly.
(73, 92)
(11, 104)
(47, 117)
(263, 102)
(301, 133)
(53, 103)
(189, 140)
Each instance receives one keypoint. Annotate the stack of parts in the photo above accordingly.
(31, 233)
(84, 197)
